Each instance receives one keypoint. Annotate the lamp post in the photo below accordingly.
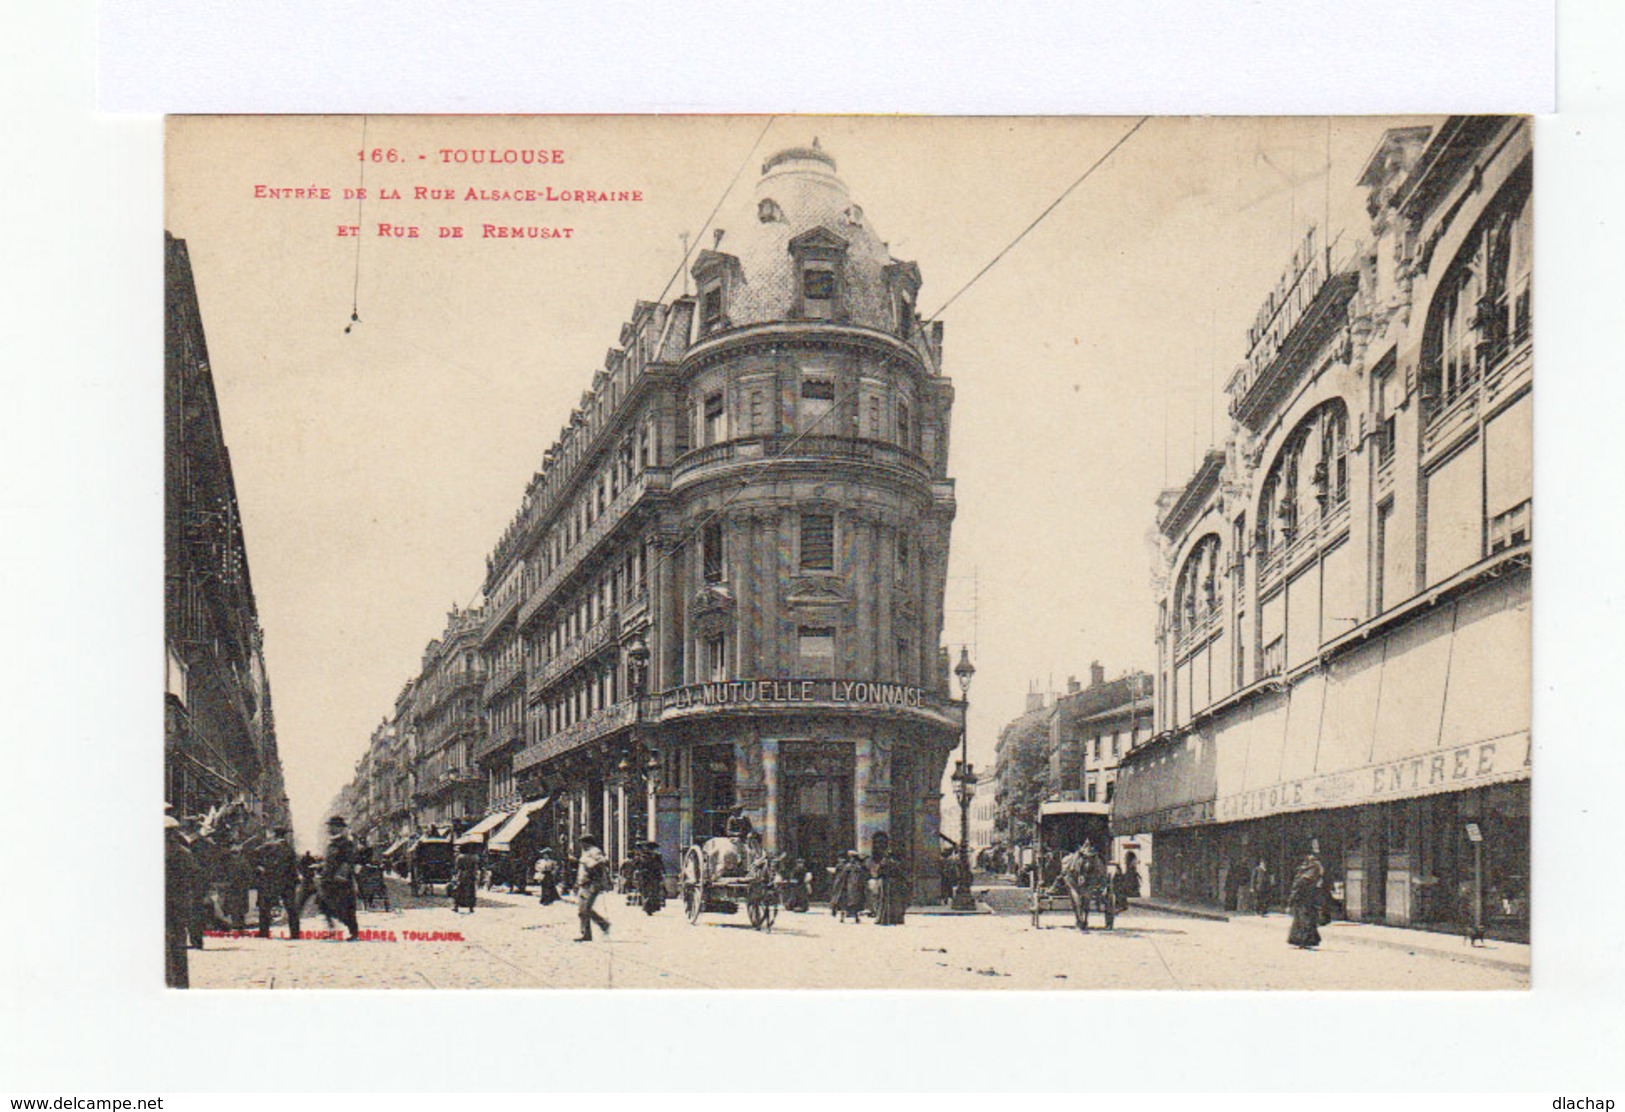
(651, 780)
(964, 782)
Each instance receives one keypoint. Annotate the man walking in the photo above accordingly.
(276, 879)
(592, 879)
(180, 903)
(338, 876)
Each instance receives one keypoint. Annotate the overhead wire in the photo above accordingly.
(1039, 219)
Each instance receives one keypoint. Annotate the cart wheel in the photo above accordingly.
(769, 912)
(756, 911)
(691, 879)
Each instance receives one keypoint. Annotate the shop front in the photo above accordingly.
(816, 767)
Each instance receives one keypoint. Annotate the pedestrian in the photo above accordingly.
(651, 878)
(180, 903)
(465, 879)
(310, 886)
(1304, 900)
(592, 879)
(337, 885)
(547, 877)
(893, 896)
(850, 889)
(276, 882)
(1261, 886)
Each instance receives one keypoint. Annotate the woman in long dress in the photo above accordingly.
(466, 879)
(547, 877)
(850, 891)
(894, 891)
(1304, 900)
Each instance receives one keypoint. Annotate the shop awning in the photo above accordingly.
(475, 834)
(516, 825)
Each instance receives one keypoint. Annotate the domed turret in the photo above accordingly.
(803, 251)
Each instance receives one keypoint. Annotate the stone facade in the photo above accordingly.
(220, 741)
(723, 591)
(1344, 628)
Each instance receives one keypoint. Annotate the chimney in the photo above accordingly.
(1097, 673)
(1073, 686)
(1035, 700)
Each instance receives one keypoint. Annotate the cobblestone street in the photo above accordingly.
(512, 942)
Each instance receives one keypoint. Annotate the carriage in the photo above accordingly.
(724, 872)
(434, 861)
(370, 888)
(1084, 882)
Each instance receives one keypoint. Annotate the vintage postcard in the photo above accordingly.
(848, 552)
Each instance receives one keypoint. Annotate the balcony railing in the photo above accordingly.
(499, 738)
(503, 674)
(1200, 631)
(651, 481)
(789, 447)
(1323, 526)
(501, 610)
(609, 720)
(601, 636)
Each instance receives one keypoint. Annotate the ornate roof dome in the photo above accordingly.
(801, 207)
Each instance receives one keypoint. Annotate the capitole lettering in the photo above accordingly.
(1443, 771)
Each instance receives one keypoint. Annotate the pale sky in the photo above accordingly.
(375, 470)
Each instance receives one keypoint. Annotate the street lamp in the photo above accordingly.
(651, 779)
(964, 782)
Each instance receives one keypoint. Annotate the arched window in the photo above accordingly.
(1308, 480)
(1481, 311)
(1196, 592)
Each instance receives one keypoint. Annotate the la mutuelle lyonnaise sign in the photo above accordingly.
(794, 693)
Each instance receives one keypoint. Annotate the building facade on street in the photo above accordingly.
(447, 724)
(722, 593)
(1068, 748)
(220, 742)
(1344, 626)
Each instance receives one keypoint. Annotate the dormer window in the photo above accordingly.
(769, 212)
(715, 275)
(820, 259)
(818, 292)
(710, 309)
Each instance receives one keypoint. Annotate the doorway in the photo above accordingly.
(816, 820)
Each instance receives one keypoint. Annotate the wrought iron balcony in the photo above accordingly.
(598, 638)
(653, 481)
(784, 448)
(609, 720)
(503, 675)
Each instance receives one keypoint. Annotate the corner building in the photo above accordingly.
(723, 590)
(1344, 631)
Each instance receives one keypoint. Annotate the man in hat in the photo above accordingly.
(592, 879)
(338, 875)
(276, 878)
(180, 901)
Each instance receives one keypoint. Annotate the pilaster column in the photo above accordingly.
(770, 784)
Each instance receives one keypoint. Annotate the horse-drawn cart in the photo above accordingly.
(1085, 881)
(434, 861)
(725, 872)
